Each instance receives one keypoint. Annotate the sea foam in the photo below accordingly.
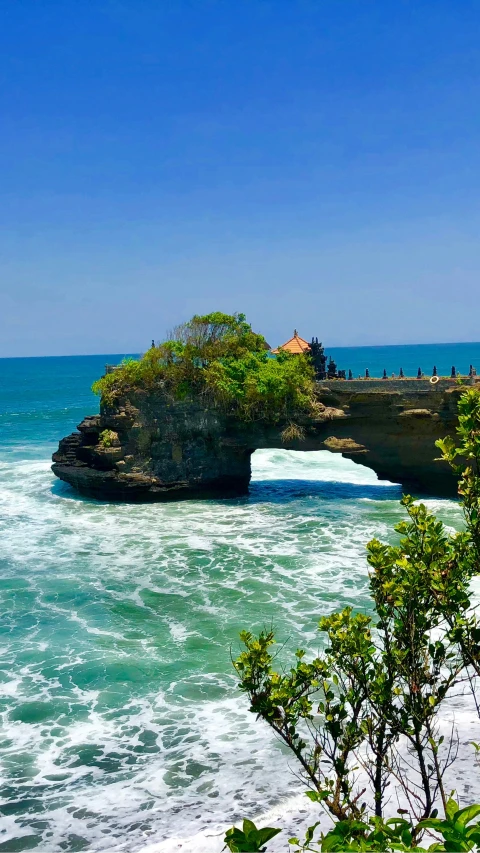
(122, 723)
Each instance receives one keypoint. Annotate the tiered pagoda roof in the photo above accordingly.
(295, 344)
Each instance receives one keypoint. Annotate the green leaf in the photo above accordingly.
(250, 839)
(332, 842)
(432, 823)
(451, 809)
(467, 814)
(474, 835)
(453, 846)
(249, 827)
(316, 796)
(267, 833)
(399, 820)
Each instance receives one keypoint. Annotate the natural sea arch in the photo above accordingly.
(310, 466)
(286, 476)
(167, 450)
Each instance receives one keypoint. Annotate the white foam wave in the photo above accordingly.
(120, 714)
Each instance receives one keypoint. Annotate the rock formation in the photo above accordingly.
(150, 447)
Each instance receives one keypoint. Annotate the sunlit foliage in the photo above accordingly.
(219, 358)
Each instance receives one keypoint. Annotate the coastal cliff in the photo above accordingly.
(149, 446)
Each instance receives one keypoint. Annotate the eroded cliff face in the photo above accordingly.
(160, 449)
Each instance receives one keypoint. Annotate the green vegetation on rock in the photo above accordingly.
(107, 438)
(219, 358)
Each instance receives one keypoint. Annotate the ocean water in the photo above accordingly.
(409, 358)
(121, 721)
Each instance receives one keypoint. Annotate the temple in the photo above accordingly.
(323, 369)
(296, 345)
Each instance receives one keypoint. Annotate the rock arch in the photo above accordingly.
(163, 450)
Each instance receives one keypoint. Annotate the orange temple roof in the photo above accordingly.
(295, 344)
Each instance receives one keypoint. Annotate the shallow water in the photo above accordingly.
(119, 708)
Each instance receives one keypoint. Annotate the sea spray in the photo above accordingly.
(120, 714)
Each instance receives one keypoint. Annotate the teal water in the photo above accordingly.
(121, 722)
(409, 358)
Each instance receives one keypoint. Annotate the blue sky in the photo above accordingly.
(313, 163)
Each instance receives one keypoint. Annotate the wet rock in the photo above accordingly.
(166, 449)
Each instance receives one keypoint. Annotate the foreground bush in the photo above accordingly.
(371, 701)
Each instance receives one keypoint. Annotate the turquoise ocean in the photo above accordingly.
(121, 721)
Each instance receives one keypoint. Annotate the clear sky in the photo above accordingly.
(313, 163)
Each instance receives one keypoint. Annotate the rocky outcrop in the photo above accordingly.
(149, 447)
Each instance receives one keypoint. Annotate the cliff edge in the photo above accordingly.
(150, 446)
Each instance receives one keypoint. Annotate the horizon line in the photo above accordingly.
(331, 346)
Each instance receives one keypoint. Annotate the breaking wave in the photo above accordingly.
(120, 712)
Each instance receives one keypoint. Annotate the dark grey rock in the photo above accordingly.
(170, 449)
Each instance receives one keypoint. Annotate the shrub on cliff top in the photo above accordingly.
(218, 356)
